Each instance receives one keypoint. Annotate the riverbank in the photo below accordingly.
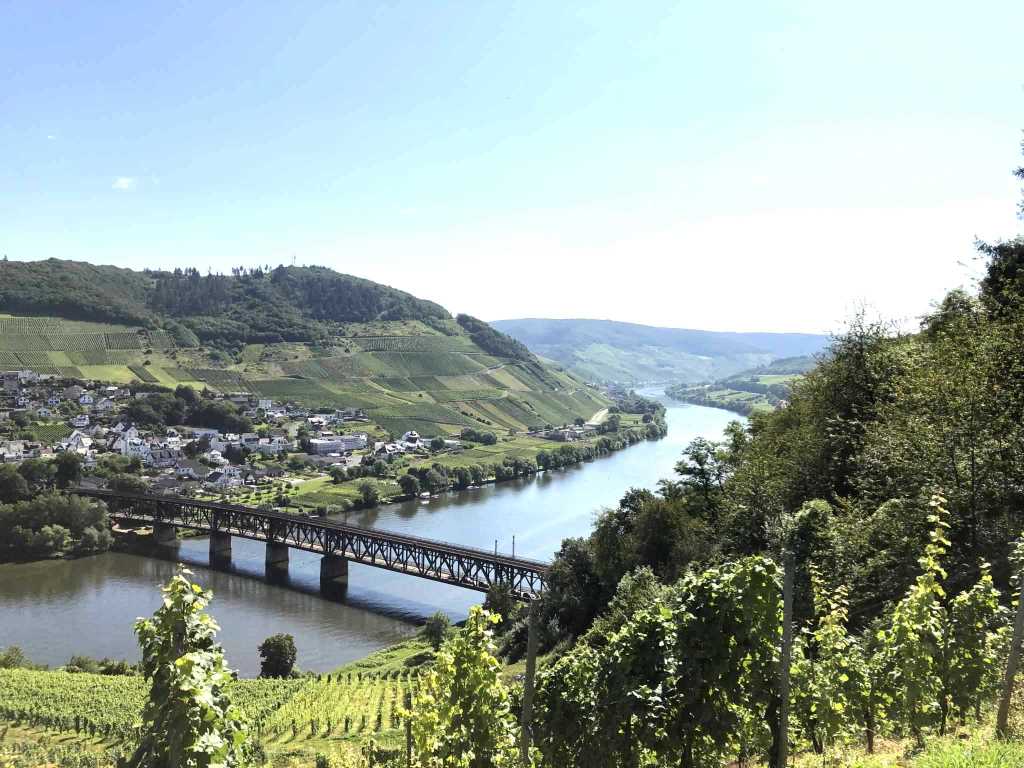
(735, 401)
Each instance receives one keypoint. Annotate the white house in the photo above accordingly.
(215, 457)
(86, 399)
(105, 405)
(77, 442)
(80, 421)
(273, 446)
(226, 477)
(44, 412)
(412, 437)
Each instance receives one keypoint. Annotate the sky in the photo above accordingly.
(728, 166)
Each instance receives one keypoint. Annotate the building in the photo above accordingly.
(105, 405)
(274, 446)
(163, 457)
(80, 421)
(77, 442)
(338, 443)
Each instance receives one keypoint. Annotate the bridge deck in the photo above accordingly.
(445, 562)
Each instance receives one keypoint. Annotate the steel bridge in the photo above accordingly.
(338, 543)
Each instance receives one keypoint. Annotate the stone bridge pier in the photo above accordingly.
(165, 534)
(220, 548)
(333, 575)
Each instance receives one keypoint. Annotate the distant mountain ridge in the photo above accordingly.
(607, 350)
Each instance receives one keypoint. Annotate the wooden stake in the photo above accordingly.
(784, 661)
(1002, 719)
(526, 718)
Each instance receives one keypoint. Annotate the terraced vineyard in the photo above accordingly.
(353, 706)
(405, 375)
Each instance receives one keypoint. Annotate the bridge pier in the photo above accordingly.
(277, 555)
(164, 534)
(220, 548)
(220, 544)
(333, 575)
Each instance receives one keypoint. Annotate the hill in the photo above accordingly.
(605, 350)
(259, 305)
(308, 335)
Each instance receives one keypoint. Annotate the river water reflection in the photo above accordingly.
(55, 609)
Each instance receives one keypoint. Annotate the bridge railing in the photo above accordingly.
(394, 536)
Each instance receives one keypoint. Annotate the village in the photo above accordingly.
(287, 448)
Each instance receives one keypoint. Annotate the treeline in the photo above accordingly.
(53, 524)
(279, 304)
(75, 290)
(248, 305)
(495, 342)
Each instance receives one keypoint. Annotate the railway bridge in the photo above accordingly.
(337, 543)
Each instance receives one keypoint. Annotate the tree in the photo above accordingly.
(369, 494)
(188, 720)
(437, 443)
(68, 469)
(13, 486)
(37, 473)
(277, 656)
(409, 484)
(461, 716)
(436, 629)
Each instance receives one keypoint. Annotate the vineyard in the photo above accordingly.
(226, 381)
(143, 374)
(415, 344)
(353, 706)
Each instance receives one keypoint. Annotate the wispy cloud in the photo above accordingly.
(124, 183)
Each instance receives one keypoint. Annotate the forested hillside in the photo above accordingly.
(607, 351)
(257, 305)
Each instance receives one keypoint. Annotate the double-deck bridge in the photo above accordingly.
(338, 543)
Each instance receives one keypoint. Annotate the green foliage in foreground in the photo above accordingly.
(189, 720)
(461, 716)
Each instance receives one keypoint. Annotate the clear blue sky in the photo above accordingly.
(718, 165)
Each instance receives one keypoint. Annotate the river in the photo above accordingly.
(54, 609)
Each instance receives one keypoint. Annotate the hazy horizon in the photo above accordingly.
(758, 169)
